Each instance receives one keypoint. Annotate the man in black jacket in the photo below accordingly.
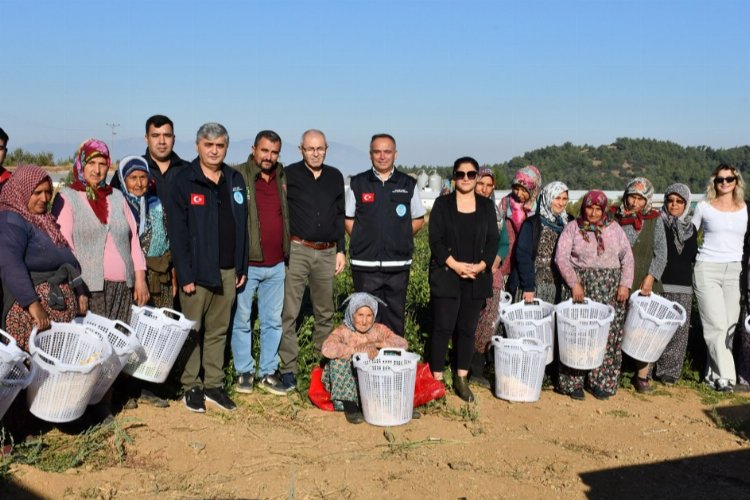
(207, 223)
(383, 212)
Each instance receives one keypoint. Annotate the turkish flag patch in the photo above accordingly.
(197, 199)
(368, 197)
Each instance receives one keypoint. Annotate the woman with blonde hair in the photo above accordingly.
(723, 217)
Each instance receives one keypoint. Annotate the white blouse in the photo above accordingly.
(723, 233)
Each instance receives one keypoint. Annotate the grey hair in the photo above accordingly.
(211, 130)
(313, 131)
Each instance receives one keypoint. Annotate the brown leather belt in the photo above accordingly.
(315, 245)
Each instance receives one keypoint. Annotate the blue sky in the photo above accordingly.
(491, 79)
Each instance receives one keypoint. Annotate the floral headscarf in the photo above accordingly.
(682, 227)
(97, 196)
(530, 179)
(16, 194)
(599, 199)
(642, 187)
(138, 204)
(356, 301)
(549, 218)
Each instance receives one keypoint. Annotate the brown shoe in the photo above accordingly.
(642, 385)
(461, 387)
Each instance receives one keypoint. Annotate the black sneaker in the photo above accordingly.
(245, 383)
(195, 400)
(272, 383)
(289, 381)
(219, 397)
(353, 413)
(577, 394)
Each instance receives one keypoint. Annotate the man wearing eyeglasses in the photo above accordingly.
(4, 174)
(315, 194)
(383, 213)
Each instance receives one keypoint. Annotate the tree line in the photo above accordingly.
(610, 166)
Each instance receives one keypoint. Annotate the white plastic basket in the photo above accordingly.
(530, 320)
(10, 353)
(386, 386)
(162, 332)
(506, 299)
(747, 324)
(519, 368)
(651, 323)
(124, 345)
(582, 332)
(69, 360)
(18, 377)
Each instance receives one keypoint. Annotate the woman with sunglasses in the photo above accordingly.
(463, 243)
(723, 217)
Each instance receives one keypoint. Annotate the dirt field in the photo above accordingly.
(674, 443)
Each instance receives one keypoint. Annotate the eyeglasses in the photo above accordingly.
(315, 150)
(471, 175)
(728, 179)
(678, 201)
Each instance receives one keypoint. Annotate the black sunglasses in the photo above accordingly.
(471, 175)
(728, 179)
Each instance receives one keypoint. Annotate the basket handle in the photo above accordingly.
(123, 328)
(7, 339)
(172, 314)
(683, 313)
(391, 351)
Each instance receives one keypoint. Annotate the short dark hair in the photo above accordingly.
(465, 159)
(4, 136)
(267, 134)
(158, 121)
(382, 136)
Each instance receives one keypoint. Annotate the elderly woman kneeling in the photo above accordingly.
(358, 333)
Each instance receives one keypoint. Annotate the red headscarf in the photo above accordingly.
(97, 196)
(591, 199)
(16, 194)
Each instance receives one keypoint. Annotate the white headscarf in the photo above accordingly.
(551, 191)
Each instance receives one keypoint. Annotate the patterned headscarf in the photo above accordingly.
(16, 194)
(642, 187)
(356, 301)
(554, 221)
(530, 179)
(97, 196)
(599, 199)
(682, 227)
(487, 172)
(138, 204)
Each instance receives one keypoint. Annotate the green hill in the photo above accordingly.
(611, 166)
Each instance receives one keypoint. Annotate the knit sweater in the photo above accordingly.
(342, 343)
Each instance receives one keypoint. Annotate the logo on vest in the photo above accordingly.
(238, 198)
(368, 197)
(197, 199)
(401, 210)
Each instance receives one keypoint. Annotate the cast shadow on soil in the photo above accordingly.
(10, 489)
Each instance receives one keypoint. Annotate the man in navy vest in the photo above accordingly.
(383, 212)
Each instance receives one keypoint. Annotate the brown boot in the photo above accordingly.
(461, 387)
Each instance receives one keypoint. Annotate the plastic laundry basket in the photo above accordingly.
(124, 345)
(582, 332)
(651, 323)
(69, 360)
(386, 386)
(519, 368)
(530, 320)
(16, 371)
(162, 333)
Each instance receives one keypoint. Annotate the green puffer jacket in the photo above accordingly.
(250, 172)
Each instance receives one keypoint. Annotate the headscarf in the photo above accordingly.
(138, 204)
(530, 179)
(599, 199)
(549, 218)
(97, 196)
(16, 194)
(682, 227)
(642, 187)
(487, 172)
(356, 301)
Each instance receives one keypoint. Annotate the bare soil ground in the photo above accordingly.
(678, 442)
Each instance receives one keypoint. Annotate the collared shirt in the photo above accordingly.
(271, 223)
(316, 206)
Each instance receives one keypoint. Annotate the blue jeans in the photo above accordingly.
(269, 283)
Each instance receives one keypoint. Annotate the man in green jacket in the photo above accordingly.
(268, 230)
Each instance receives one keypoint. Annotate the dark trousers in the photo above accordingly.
(391, 289)
(455, 318)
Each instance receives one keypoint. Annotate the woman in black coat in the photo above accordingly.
(463, 244)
